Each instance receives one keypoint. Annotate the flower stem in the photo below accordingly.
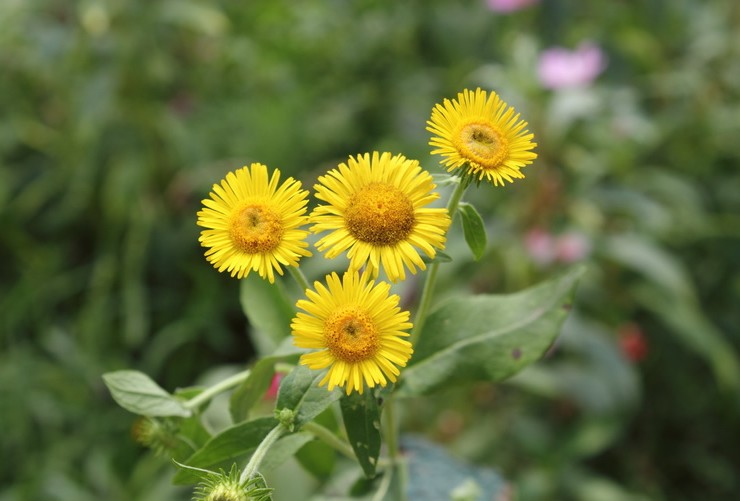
(259, 454)
(214, 390)
(296, 272)
(426, 293)
(330, 439)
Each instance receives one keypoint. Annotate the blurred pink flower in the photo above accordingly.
(571, 247)
(561, 68)
(505, 6)
(545, 248)
(540, 246)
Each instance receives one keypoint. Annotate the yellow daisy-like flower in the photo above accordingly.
(252, 223)
(377, 209)
(482, 131)
(358, 328)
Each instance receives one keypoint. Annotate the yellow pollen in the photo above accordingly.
(380, 214)
(255, 228)
(351, 335)
(482, 145)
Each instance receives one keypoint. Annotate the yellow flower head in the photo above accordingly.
(481, 134)
(377, 209)
(358, 329)
(252, 223)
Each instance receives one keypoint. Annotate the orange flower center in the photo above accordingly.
(351, 335)
(484, 146)
(380, 214)
(255, 228)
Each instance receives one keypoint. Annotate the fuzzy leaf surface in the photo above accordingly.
(137, 393)
(488, 337)
(300, 392)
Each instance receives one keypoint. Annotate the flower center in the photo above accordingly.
(380, 214)
(351, 335)
(482, 144)
(256, 228)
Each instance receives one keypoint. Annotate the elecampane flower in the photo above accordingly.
(252, 224)
(480, 134)
(376, 210)
(358, 329)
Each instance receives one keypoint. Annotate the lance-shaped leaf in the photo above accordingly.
(232, 445)
(361, 416)
(300, 393)
(488, 337)
(474, 230)
(137, 393)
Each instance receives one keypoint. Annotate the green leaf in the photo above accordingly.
(269, 312)
(434, 475)
(474, 229)
(253, 388)
(300, 392)
(488, 337)
(284, 448)
(137, 393)
(230, 446)
(696, 332)
(361, 416)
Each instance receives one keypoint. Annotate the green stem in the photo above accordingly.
(214, 390)
(426, 293)
(330, 439)
(299, 277)
(259, 454)
(392, 431)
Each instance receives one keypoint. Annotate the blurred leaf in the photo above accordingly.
(300, 392)
(253, 388)
(654, 263)
(590, 371)
(488, 337)
(269, 312)
(697, 333)
(137, 393)
(230, 446)
(361, 416)
(474, 230)
(434, 475)
(284, 448)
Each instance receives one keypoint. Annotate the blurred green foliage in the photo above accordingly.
(119, 115)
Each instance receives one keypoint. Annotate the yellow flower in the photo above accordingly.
(252, 224)
(482, 131)
(376, 209)
(358, 328)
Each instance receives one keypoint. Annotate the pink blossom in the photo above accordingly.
(571, 247)
(506, 6)
(540, 246)
(561, 68)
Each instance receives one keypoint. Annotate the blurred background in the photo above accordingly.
(118, 116)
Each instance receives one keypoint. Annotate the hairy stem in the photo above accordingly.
(217, 388)
(426, 293)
